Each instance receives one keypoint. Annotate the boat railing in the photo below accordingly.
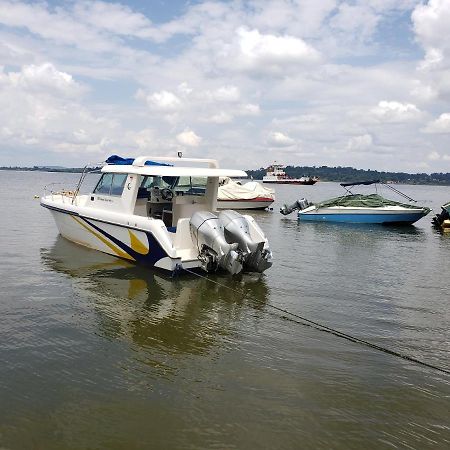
(89, 168)
(58, 189)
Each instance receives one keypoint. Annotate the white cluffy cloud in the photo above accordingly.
(189, 138)
(360, 142)
(41, 79)
(431, 25)
(271, 53)
(440, 125)
(392, 111)
(161, 101)
(278, 139)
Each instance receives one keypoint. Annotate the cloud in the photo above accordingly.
(362, 142)
(115, 18)
(431, 25)
(392, 111)
(39, 107)
(42, 78)
(189, 138)
(278, 139)
(434, 156)
(225, 94)
(269, 52)
(439, 126)
(220, 117)
(163, 101)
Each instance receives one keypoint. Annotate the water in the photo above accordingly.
(99, 354)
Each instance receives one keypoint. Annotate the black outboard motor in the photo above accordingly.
(297, 205)
(439, 219)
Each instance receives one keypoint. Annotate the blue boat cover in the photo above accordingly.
(119, 161)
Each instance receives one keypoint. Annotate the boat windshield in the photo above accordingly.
(111, 184)
(150, 181)
(190, 185)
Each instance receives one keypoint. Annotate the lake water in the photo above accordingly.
(96, 353)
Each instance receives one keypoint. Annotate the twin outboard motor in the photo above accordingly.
(214, 251)
(255, 250)
(227, 242)
(297, 205)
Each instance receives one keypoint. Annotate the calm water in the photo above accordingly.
(96, 353)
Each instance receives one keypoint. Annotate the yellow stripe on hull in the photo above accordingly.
(137, 245)
(117, 250)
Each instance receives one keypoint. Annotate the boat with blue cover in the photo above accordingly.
(149, 210)
(359, 208)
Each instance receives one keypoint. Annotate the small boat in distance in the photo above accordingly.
(276, 174)
(147, 210)
(359, 208)
(235, 195)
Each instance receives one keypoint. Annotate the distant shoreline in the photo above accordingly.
(324, 173)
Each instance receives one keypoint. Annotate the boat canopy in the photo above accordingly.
(356, 183)
(363, 201)
(119, 161)
(173, 171)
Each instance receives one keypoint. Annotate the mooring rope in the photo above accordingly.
(327, 329)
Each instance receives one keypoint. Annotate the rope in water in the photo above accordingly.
(327, 329)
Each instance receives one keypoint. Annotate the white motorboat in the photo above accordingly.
(276, 174)
(141, 211)
(235, 195)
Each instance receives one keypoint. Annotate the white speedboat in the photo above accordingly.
(359, 208)
(235, 195)
(276, 174)
(135, 213)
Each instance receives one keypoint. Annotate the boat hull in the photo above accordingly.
(256, 203)
(362, 217)
(125, 242)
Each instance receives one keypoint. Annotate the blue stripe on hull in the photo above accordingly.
(362, 218)
(155, 251)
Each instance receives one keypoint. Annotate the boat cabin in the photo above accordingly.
(161, 189)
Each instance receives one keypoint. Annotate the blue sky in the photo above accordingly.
(363, 83)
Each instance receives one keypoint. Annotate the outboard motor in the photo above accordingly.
(297, 205)
(439, 219)
(214, 251)
(255, 249)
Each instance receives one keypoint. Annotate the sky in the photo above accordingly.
(361, 83)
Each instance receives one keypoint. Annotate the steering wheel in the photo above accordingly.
(166, 194)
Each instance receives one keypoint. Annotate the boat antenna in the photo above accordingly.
(180, 154)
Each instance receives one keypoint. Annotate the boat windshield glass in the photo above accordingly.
(111, 184)
(191, 185)
(151, 181)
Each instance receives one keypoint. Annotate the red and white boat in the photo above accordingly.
(252, 195)
(276, 174)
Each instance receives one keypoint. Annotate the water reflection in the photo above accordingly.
(182, 315)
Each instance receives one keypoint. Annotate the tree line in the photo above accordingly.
(349, 174)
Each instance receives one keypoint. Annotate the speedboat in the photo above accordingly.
(442, 220)
(276, 174)
(140, 211)
(359, 208)
(235, 195)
